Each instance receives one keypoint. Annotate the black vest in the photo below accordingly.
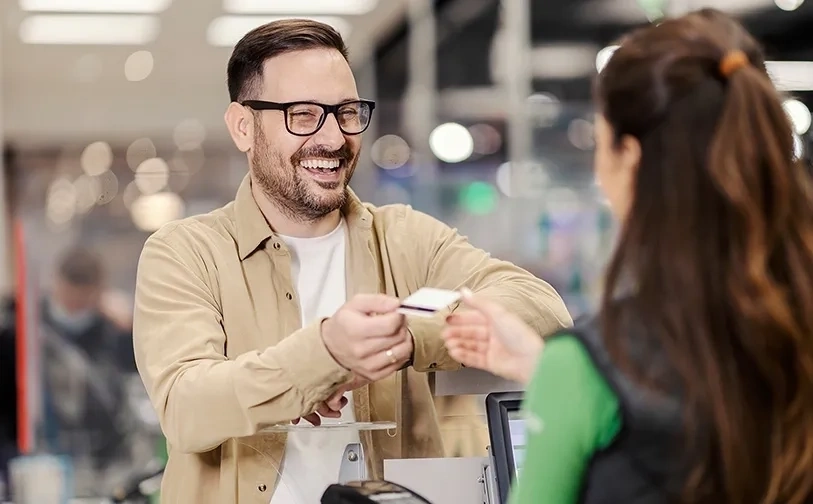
(642, 464)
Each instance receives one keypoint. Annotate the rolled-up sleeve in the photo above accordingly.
(451, 262)
(203, 398)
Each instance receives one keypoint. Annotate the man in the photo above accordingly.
(86, 362)
(275, 306)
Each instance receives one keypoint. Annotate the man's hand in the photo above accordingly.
(336, 399)
(368, 336)
(332, 408)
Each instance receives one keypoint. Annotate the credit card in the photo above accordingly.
(426, 301)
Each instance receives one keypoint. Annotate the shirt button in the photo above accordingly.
(261, 488)
(276, 245)
(288, 296)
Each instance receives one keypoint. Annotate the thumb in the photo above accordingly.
(374, 303)
(490, 309)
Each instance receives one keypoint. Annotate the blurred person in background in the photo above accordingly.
(694, 383)
(117, 306)
(87, 361)
(278, 305)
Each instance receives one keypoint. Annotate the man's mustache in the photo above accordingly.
(342, 153)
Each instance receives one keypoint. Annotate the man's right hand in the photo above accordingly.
(368, 336)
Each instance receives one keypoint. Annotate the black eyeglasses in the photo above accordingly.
(306, 118)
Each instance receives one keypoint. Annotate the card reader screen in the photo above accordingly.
(516, 429)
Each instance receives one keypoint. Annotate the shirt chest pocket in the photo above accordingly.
(258, 307)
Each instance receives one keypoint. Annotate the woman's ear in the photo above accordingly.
(240, 123)
(630, 155)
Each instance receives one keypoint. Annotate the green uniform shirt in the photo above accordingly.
(571, 413)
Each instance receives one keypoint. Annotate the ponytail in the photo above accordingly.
(770, 273)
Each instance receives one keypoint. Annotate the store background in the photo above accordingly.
(111, 121)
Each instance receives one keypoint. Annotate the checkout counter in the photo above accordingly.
(465, 480)
(468, 480)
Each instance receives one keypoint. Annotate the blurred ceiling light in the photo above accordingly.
(487, 140)
(451, 142)
(390, 152)
(108, 6)
(60, 205)
(138, 66)
(88, 29)
(97, 158)
(603, 57)
(580, 133)
(799, 115)
(527, 179)
(152, 175)
(226, 31)
(798, 147)
(189, 134)
(150, 212)
(139, 151)
(130, 194)
(544, 109)
(789, 5)
(630, 11)
(297, 7)
(504, 183)
(108, 187)
(88, 190)
(791, 75)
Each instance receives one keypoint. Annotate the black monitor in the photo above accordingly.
(506, 430)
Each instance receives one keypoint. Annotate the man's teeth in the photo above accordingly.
(320, 164)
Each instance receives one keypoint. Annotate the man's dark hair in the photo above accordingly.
(245, 68)
(81, 267)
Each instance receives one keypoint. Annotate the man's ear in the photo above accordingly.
(240, 122)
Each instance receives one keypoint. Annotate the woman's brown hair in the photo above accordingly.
(716, 255)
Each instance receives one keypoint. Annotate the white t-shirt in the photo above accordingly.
(312, 459)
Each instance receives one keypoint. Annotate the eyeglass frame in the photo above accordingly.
(326, 110)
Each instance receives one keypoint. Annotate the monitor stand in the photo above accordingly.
(353, 467)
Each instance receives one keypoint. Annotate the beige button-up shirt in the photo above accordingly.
(221, 350)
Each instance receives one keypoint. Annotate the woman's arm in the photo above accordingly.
(571, 413)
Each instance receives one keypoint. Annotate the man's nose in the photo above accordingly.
(330, 135)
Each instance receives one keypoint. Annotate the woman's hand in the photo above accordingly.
(488, 337)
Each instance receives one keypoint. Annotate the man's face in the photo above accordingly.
(286, 166)
(75, 299)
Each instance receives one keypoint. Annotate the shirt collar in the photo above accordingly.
(253, 230)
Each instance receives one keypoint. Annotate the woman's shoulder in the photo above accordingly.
(655, 396)
(566, 371)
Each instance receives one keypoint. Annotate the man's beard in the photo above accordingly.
(289, 189)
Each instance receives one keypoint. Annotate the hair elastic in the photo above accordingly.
(731, 62)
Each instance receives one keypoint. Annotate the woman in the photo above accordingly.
(695, 381)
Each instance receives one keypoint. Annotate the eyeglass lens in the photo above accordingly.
(306, 118)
